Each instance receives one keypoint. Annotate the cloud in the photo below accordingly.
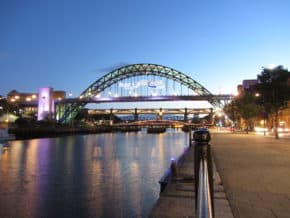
(110, 68)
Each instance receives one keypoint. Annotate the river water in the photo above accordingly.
(101, 175)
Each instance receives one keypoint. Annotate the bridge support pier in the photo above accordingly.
(111, 116)
(59, 110)
(185, 119)
(160, 114)
(211, 116)
(136, 115)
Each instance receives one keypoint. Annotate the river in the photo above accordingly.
(97, 175)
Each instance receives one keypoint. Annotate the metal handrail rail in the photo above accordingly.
(204, 204)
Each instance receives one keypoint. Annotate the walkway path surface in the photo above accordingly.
(255, 172)
(177, 200)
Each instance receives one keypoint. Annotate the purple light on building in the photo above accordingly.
(45, 103)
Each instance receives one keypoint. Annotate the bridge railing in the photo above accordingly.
(204, 193)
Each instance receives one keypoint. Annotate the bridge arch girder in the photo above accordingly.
(135, 70)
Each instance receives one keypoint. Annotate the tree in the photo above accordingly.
(243, 106)
(232, 111)
(247, 107)
(274, 89)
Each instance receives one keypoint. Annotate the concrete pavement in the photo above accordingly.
(255, 171)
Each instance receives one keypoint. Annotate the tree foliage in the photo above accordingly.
(247, 107)
(274, 89)
(232, 111)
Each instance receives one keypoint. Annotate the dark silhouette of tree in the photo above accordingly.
(243, 106)
(247, 108)
(232, 111)
(274, 89)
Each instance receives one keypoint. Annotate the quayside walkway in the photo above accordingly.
(177, 200)
(255, 171)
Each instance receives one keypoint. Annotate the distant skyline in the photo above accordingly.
(69, 44)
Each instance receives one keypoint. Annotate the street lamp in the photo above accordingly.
(264, 112)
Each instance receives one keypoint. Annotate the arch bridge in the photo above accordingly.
(139, 82)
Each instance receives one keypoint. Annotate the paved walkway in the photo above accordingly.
(178, 198)
(255, 171)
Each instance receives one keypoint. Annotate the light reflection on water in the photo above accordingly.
(103, 175)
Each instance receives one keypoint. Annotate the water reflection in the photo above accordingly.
(104, 175)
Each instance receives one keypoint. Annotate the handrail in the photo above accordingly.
(204, 204)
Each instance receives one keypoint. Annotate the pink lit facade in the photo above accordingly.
(45, 103)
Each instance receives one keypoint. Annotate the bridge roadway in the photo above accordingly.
(112, 99)
(149, 98)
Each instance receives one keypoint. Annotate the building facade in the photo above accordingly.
(39, 104)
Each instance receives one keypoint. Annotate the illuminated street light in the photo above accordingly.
(264, 118)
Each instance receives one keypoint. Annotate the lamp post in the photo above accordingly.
(233, 116)
(264, 113)
(264, 121)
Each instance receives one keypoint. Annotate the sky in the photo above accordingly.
(69, 44)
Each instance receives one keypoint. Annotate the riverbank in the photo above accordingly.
(41, 132)
(55, 131)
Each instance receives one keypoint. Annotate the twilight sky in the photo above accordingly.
(68, 44)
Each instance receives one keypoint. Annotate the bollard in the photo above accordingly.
(173, 168)
(203, 167)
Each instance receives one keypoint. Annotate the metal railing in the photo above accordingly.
(204, 194)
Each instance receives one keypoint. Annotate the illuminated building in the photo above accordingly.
(28, 101)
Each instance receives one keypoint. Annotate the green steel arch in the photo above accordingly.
(134, 70)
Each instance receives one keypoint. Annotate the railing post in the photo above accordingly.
(204, 193)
